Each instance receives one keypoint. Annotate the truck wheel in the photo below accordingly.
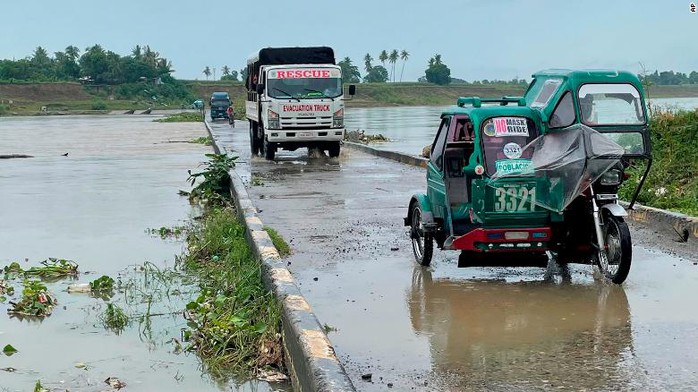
(333, 150)
(254, 142)
(422, 241)
(269, 150)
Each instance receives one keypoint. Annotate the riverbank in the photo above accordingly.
(73, 98)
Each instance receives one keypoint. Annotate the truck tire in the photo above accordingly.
(269, 150)
(333, 150)
(254, 142)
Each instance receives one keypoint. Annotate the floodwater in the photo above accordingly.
(120, 177)
(445, 328)
(411, 128)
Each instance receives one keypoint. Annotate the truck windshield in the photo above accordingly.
(610, 104)
(220, 102)
(305, 88)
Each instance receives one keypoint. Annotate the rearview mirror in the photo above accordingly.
(260, 88)
(352, 89)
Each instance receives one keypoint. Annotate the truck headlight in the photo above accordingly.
(611, 178)
(273, 120)
(338, 119)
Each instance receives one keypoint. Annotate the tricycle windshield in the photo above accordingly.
(503, 140)
(610, 104)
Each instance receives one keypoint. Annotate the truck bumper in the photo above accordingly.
(304, 135)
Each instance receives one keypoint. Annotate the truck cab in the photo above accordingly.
(295, 99)
(219, 103)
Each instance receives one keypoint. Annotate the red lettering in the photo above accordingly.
(281, 74)
(325, 74)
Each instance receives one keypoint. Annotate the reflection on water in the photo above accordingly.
(536, 334)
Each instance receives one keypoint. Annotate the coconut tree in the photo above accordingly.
(404, 55)
(392, 59)
(367, 62)
(207, 72)
(383, 56)
(225, 70)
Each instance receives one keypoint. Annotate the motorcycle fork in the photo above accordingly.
(600, 240)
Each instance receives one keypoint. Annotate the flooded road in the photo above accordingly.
(448, 329)
(120, 178)
(411, 128)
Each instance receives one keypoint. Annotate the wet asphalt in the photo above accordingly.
(448, 329)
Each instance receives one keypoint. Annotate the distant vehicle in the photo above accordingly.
(198, 104)
(295, 99)
(219, 103)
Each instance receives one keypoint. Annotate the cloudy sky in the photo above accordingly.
(478, 39)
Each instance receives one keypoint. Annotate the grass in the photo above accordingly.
(181, 117)
(205, 140)
(279, 243)
(673, 180)
(235, 323)
(114, 318)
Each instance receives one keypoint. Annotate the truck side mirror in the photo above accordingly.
(352, 89)
(260, 88)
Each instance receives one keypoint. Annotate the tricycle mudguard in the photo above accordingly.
(615, 209)
(424, 205)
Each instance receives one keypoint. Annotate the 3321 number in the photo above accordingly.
(514, 199)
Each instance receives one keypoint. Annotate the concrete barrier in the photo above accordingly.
(679, 226)
(412, 160)
(310, 357)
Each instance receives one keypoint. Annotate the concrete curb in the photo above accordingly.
(310, 357)
(395, 156)
(682, 227)
(679, 226)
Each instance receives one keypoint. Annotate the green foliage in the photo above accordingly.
(51, 268)
(205, 140)
(673, 180)
(377, 74)
(36, 301)
(437, 72)
(169, 232)
(235, 322)
(115, 319)
(181, 117)
(4, 109)
(214, 180)
(9, 350)
(102, 287)
(98, 104)
(350, 72)
(279, 243)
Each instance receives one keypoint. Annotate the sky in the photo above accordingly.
(485, 39)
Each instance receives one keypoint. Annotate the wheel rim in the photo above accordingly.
(417, 234)
(613, 251)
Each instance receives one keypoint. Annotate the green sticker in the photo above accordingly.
(514, 166)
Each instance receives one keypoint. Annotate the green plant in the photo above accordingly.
(36, 300)
(279, 243)
(214, 180)
(102, 287)
(181, 117)
(51, 269)
(98, 104)
(114, 318)
(205, 140)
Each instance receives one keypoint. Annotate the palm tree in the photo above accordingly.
(437, 59)
(392, 59)
(404, 55)
(383, 57)
(225, 70)
(367, 62)
(207, 72)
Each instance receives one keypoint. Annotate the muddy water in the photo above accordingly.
(411, 128)
(448, 329)
(120, 177)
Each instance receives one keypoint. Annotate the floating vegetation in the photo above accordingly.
(168, 232)
(51, 268)
(114, 318)
(36, 300)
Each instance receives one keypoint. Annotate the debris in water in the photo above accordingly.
(80, 365)
(9, 350)
(394, 248)
(272, 376)
(79, 288)
(115, 382)
(367, 376)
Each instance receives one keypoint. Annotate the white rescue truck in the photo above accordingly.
(295, 99)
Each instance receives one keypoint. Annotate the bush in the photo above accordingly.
(98, 104)
(673, 180)
(4, 109)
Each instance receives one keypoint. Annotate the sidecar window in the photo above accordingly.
(504, 139)
(563, 115)
(437, 149)
(547, 90)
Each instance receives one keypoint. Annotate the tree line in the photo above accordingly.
(94, 65)
(669, 78)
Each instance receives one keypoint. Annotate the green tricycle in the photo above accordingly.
(516, 181)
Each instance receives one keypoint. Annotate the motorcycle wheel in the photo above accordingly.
(422, 242)
(614, 261)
